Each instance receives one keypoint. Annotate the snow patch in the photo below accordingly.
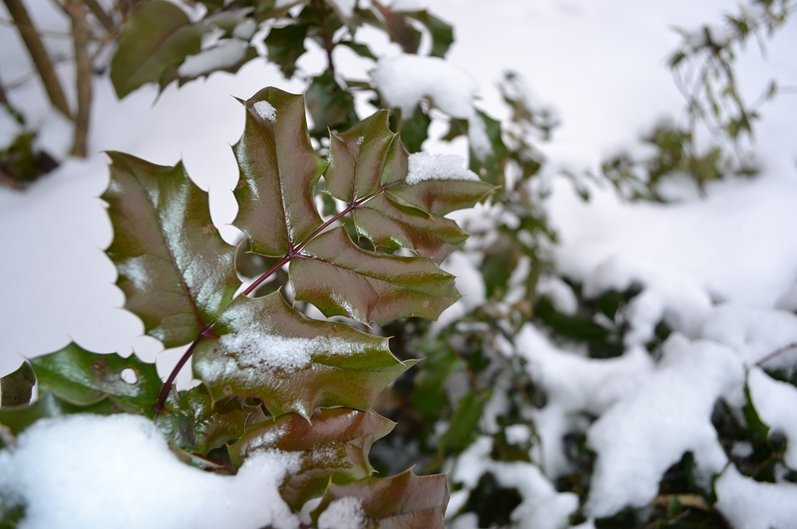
(117, 472)
(343, 513)
(776, 405)
(255, 349)
(750, 504)
(266, 111)
(424, 166)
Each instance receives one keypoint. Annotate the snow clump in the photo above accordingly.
(424, 166)
(117, 472)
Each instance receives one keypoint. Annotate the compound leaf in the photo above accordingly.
(404, 501)
(268, 350)
(333, 446)
(153, 42)
(174, 268)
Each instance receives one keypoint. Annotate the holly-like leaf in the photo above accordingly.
(342, 279)
(270, 351)
(330, 104)
(18, 418)
(16, 388)
(333, 447)
(405, 501)
(84, 378)
(440, 197)
(174, 268)
(154, 40)
(278, 170)
(441, 33)
(197, 424)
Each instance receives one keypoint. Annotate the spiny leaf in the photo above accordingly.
(278, 170)
(440, 197)
(342, 279)
(330, 104)
(363, 158)
(270, 351)
(442, 34)
(198, 425)
(405, 501)
(16, 388)
(333, 446)
(285, 45)
(84, 378)
(174, 268)
(155, 39)
(391, 225)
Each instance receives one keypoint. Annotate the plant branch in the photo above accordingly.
(294, 251)
(101, 16)
(777, 352)
(80, 35)
(39, 56)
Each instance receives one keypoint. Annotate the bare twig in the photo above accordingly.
(39, 56)
(777, 352)
(80, 35)
(101, 16)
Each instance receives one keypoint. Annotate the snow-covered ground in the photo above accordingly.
(722, 271)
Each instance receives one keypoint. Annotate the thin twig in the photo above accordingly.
(80, 34)
(39, 56)
(777, 352)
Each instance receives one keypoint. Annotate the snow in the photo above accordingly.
(260, 350)
(424, 166)
(117, 472)
(749, 504)
(542, 507)
(343, 513)
(406, 80)
(219, 57)
(775, 403)
(266, 111)
(641, 436)
(344, 7)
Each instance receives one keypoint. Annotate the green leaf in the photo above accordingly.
(405, 501)
(342, 279)
(359, 48)
(415, 129)
(285, 45)
(363, 158)
(174, 268)
(463, 428)
(278, 170)
(390, 224)
(440, 197)
(233, 65)
(492, 167)
(16, 388)
(270, 351)
(155, 40)
(84, 378)
(399, 30)
(333, 446)
(198, 425)
(330, 104)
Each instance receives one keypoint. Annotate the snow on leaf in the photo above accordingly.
(332, 445)
(404, 501)
(290, 362)
(174, 268)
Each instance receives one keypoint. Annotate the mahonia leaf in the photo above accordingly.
(404, 501)
(441, 33)
(268, 350)
(330, 104)
(333, 446)
(285, 45)
(342, 279)
(439, 197)
(84, 378)
(153, 41)
(278, 170)
(16, 388)
(368, 159)
(174, 268)
(198, 424)
(227, 55)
